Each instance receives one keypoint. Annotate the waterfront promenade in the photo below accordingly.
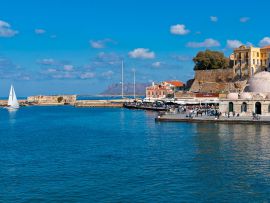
(213, 119)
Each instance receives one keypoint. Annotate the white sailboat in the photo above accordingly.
(12, 99)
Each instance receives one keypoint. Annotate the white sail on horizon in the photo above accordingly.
(12, 99)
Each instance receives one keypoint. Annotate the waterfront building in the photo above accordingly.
(265, 57)
(248, 60)
(163, 90)
(254, 100)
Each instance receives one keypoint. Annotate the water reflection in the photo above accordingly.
(238, 151)
(12, 115)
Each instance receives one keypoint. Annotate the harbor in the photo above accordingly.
(134, 101)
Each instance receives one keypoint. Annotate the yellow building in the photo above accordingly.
(265, 55)
(247, 60)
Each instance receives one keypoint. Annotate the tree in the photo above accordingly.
(60, 99)
(208, 60)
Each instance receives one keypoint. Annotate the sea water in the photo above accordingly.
(67, 154)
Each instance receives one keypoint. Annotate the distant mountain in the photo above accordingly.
(116, 89)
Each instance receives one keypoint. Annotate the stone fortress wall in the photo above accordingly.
(52, 100)
(217, 81)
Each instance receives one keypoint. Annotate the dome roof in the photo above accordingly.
(245, 95)
(260, 82)
(232, 96)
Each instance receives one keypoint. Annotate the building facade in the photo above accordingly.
(256, 99)
(248, 60)
(164, 89)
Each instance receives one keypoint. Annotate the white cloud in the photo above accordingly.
(244, 19)
(47, 61)
(156, 64)
(214, 18)
(63, 76)
(107, 74)
(99, 44)
(232, 44)
(40, 31)
(141, 53)
(51, 70)
(110, 58)
(179, 29)
(206, 43)
(68, 67)
(5, 30)
(265, 41)
(87, 75)
(183, 58)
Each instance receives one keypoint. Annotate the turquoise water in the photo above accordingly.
(66, 154)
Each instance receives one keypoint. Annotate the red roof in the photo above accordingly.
(266, 47)
(176, 83)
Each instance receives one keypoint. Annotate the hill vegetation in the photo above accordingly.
(209, 60)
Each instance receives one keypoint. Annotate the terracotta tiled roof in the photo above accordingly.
(176, 83)
(266, 47)
(157, 88)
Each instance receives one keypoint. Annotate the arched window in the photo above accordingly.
(244, 107)
(230, 107)
(258, 108)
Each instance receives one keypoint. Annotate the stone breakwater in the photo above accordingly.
(4, 102)
(100, 103)
(67, 100)
(52, 100)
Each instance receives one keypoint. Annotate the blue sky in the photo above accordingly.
(60, 46)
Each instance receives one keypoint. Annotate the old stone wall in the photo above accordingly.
(217, 81)
(218, 75)
(56, 99)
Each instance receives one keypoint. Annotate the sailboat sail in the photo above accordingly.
(12, 99)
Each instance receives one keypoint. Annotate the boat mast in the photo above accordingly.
(134, 82)
(122, 79)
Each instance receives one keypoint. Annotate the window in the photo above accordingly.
(258, 108)
(269, 108)
(258, 54)
(230, 107)
(244, 107)
(258, 62)
(253, 61)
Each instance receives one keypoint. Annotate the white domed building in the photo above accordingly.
(254, 99)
